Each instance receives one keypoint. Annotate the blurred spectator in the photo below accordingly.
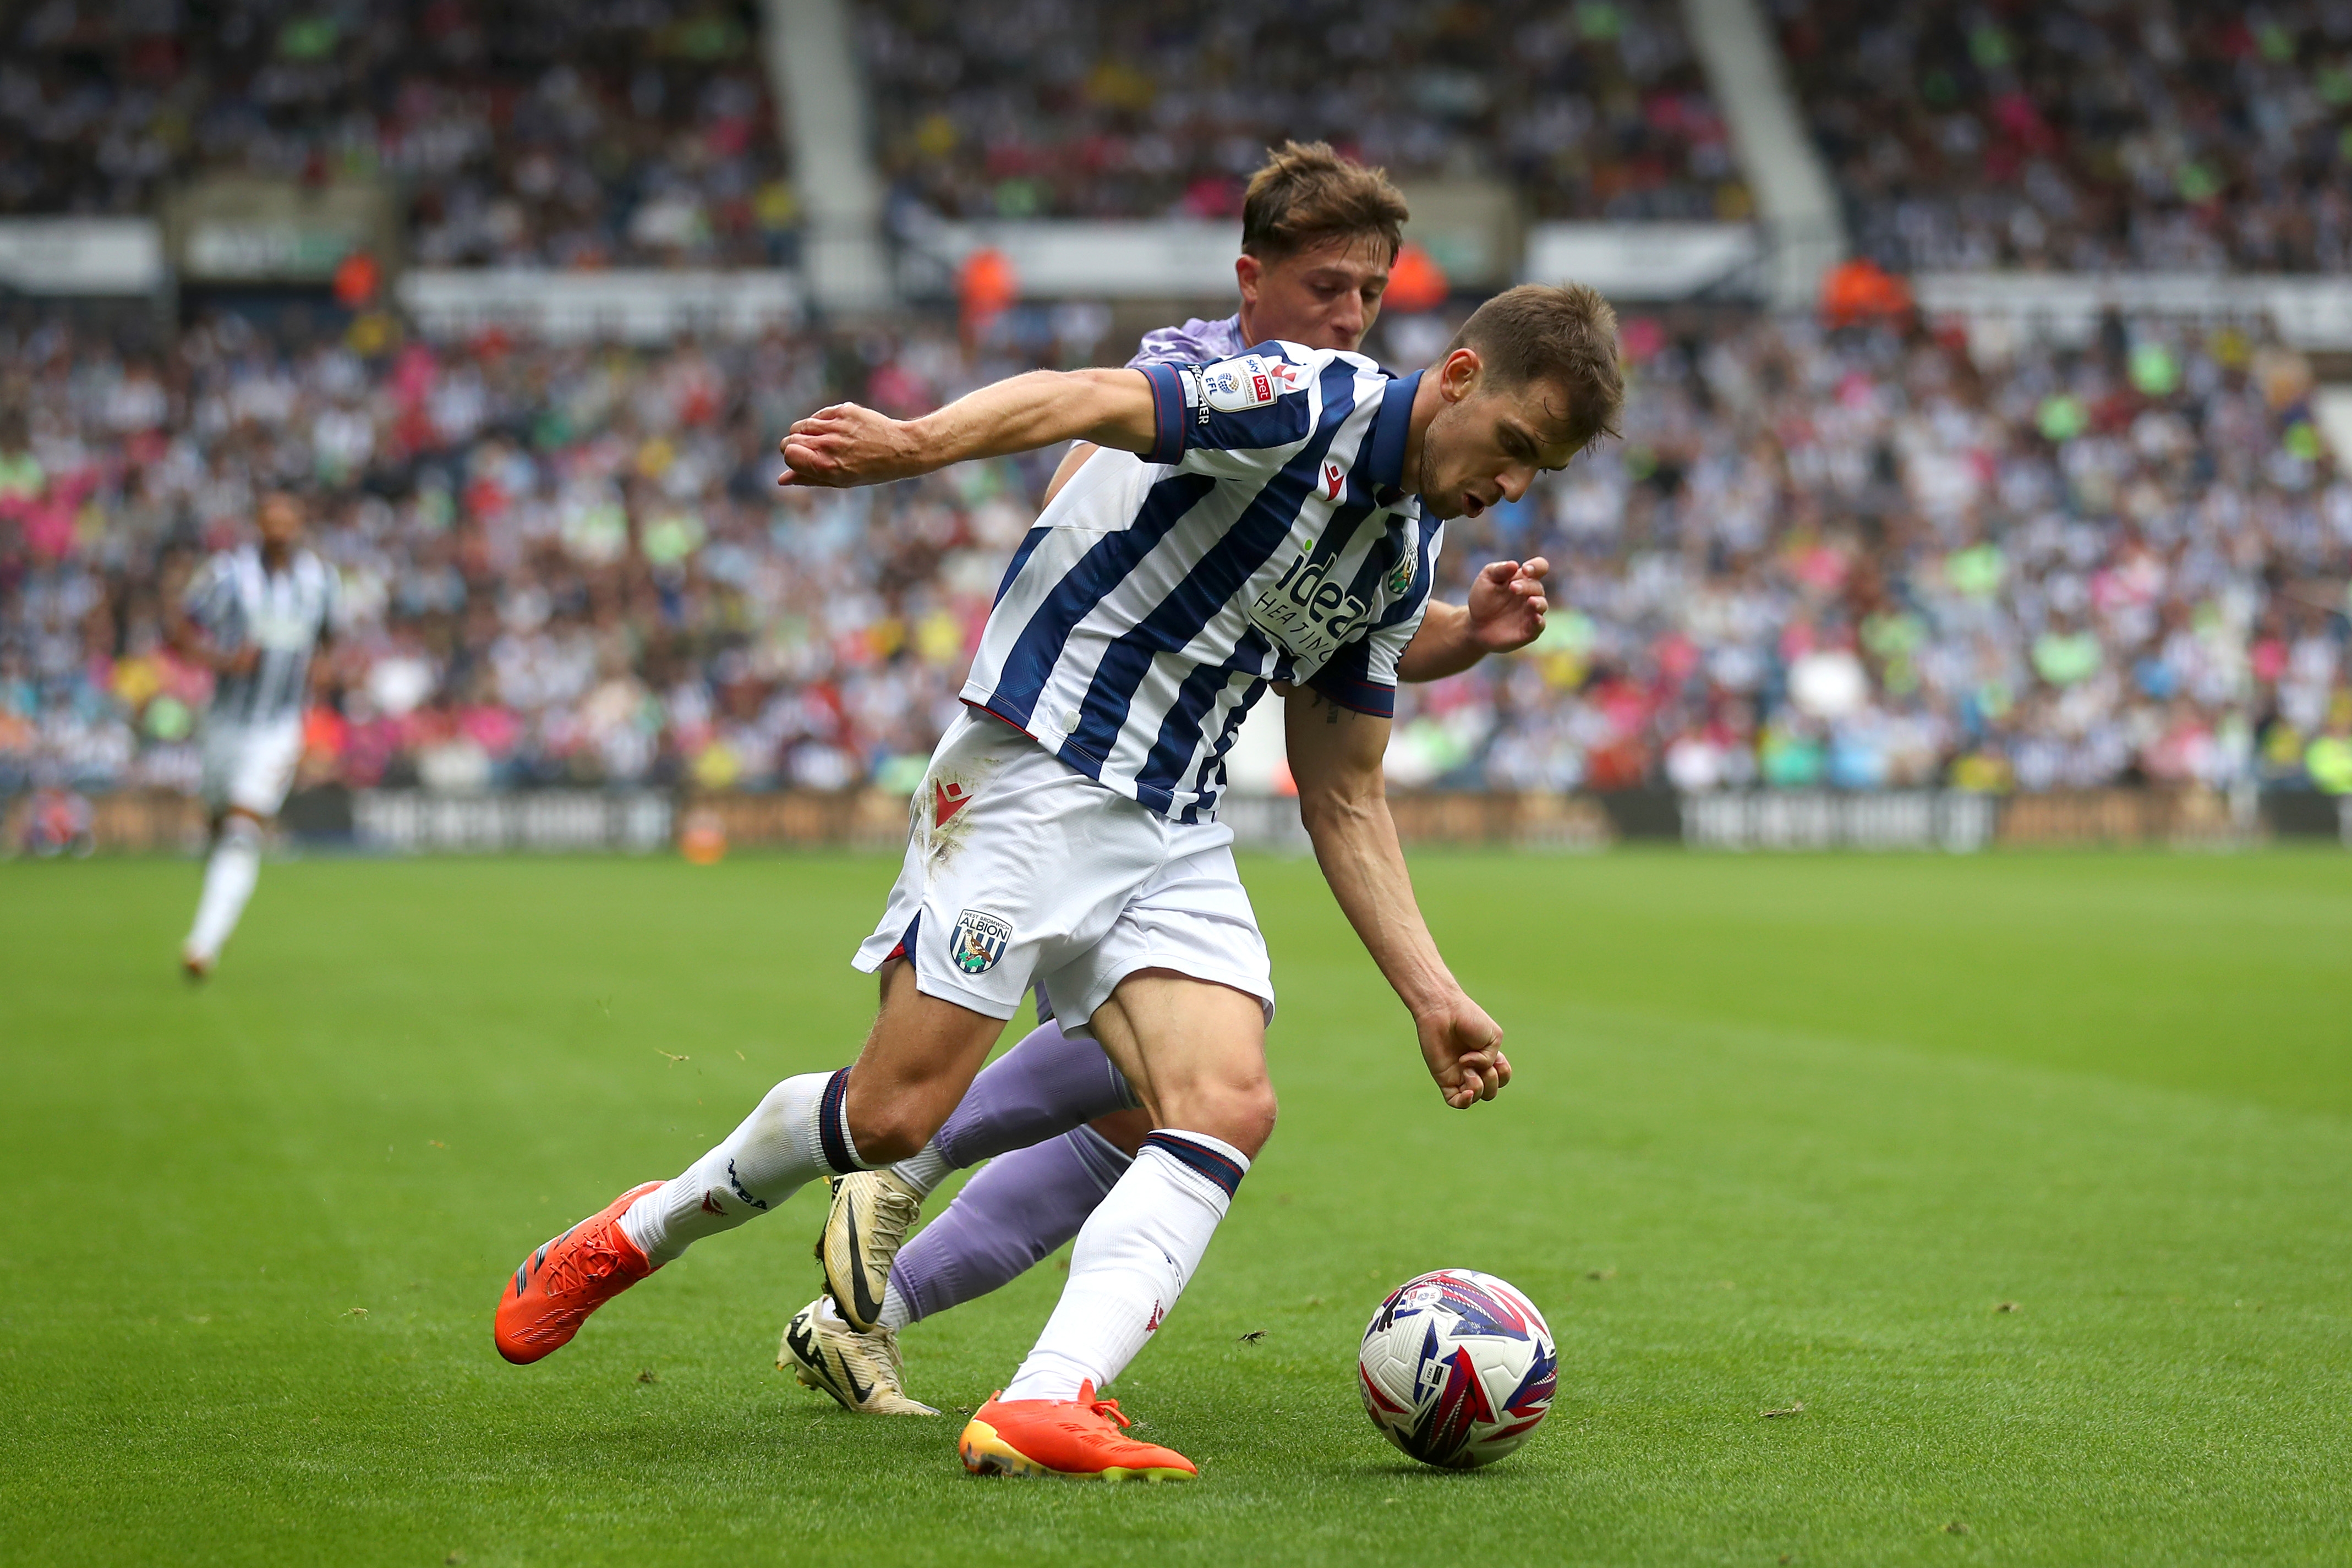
(1852, 557)
(524, 131)
(2165, 135)
(561, 565)
(1057, 108)
(1863, 558)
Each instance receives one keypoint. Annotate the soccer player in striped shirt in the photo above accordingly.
(1268, 518)
(254, 616)
(1053, 1119)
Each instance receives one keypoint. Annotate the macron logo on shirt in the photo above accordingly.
(1333, 480)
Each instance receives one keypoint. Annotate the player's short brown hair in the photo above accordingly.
(1565, 335)
(1308, 196)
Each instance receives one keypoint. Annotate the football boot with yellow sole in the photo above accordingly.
(1080, 1438)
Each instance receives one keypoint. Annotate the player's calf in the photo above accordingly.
(917, 1065)
(230, 872)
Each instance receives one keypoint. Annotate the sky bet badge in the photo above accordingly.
(980, 940)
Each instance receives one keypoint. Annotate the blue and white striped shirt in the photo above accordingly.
(1265, 536)
(241, 603)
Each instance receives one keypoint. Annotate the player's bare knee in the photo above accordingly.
(1240, 1112)
(1254, 1112)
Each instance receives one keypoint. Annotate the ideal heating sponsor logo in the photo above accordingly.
(1308, 613)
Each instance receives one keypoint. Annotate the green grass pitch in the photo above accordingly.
(1786, 1132)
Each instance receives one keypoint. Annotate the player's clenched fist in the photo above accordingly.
(1463, 1049)
(847, 444)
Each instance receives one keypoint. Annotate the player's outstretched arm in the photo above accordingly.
(1335, 754)
(1505, 611)
(847, 445)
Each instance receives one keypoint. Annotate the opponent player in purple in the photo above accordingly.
(1056, 1123)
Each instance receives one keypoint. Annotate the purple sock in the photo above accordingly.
(1040, 1089)
(1016, 1211)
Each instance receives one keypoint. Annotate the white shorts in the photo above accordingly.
(1020, 869)
(251, 767)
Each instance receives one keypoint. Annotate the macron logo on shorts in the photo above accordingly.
(947, 799)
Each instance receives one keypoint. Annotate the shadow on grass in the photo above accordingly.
(1486, 1475)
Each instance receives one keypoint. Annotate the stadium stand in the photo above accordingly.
(561, 564)
(522, 132)
(1847, 549)
(1853, 558)
(2165, 135)
(1051, 108)
(1859, 558)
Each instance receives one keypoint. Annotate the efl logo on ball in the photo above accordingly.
(1457, 1368)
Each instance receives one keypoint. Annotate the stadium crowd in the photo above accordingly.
(1870, 557)
(2166, 134)
(1855, 557)
(1057, 107)
(602, 132)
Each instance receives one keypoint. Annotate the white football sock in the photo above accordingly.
(1131, 1261)
(230, 877)
(778, 1149)
(924, 1170)
(895, 1314)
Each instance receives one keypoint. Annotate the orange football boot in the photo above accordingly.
(1077, 1438)
(558, 1285)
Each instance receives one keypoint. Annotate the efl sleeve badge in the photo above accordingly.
(1253, 380)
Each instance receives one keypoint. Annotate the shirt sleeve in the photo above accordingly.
(1261, 400)
(1362, 674)
(210, 597)
(1195, 342)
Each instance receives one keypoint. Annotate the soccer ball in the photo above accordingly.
(1457, 1368)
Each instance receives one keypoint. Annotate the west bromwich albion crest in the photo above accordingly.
(1401, 578)
(980, 940)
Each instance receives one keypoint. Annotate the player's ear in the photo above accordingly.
(1457, 376)
(1250, 273)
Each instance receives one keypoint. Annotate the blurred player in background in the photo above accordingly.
(254, 616)
(1058, 1124)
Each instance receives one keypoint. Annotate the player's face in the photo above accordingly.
(1326, 297)
(280, 520)
(1486, 445)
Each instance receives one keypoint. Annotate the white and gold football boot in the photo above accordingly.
(863, 1372)
(871, 1214)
